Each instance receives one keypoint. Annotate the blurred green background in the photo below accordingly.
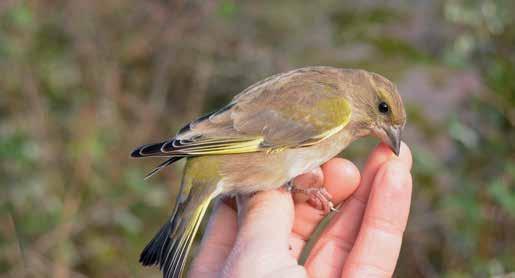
(83, 82)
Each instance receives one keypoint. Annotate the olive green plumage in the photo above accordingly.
(271, 132)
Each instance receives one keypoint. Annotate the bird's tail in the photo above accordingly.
(170, 246)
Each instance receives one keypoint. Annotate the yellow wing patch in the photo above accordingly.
(219, 146)
(338, 114)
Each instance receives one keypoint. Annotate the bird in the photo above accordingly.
(276, 129)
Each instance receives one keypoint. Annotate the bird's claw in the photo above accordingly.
(318, 196)
(290, 186)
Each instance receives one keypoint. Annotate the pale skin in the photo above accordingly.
(363, 239)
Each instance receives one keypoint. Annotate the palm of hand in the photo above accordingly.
(363, 239)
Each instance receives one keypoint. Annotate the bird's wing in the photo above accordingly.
(295, 109)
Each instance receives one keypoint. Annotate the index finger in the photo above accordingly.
(378, 244)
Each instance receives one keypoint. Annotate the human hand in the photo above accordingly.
(363, 239)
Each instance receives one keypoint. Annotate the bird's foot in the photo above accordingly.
(319, 197)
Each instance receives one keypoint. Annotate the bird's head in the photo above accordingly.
(379, 108)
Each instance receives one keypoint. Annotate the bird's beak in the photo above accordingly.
(393, 134)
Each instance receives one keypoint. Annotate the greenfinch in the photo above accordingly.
(273, 131)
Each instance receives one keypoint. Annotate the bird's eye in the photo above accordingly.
(383, 107)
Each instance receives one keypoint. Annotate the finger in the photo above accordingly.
(346, 224)
(379, 155)
(341, 180)
(262, 240)
(341, 233)
(377, 247)
(217, 241)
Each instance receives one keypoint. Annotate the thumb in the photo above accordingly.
(267, 216)
(261, 245)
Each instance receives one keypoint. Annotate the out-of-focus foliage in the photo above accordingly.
(83, 82)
